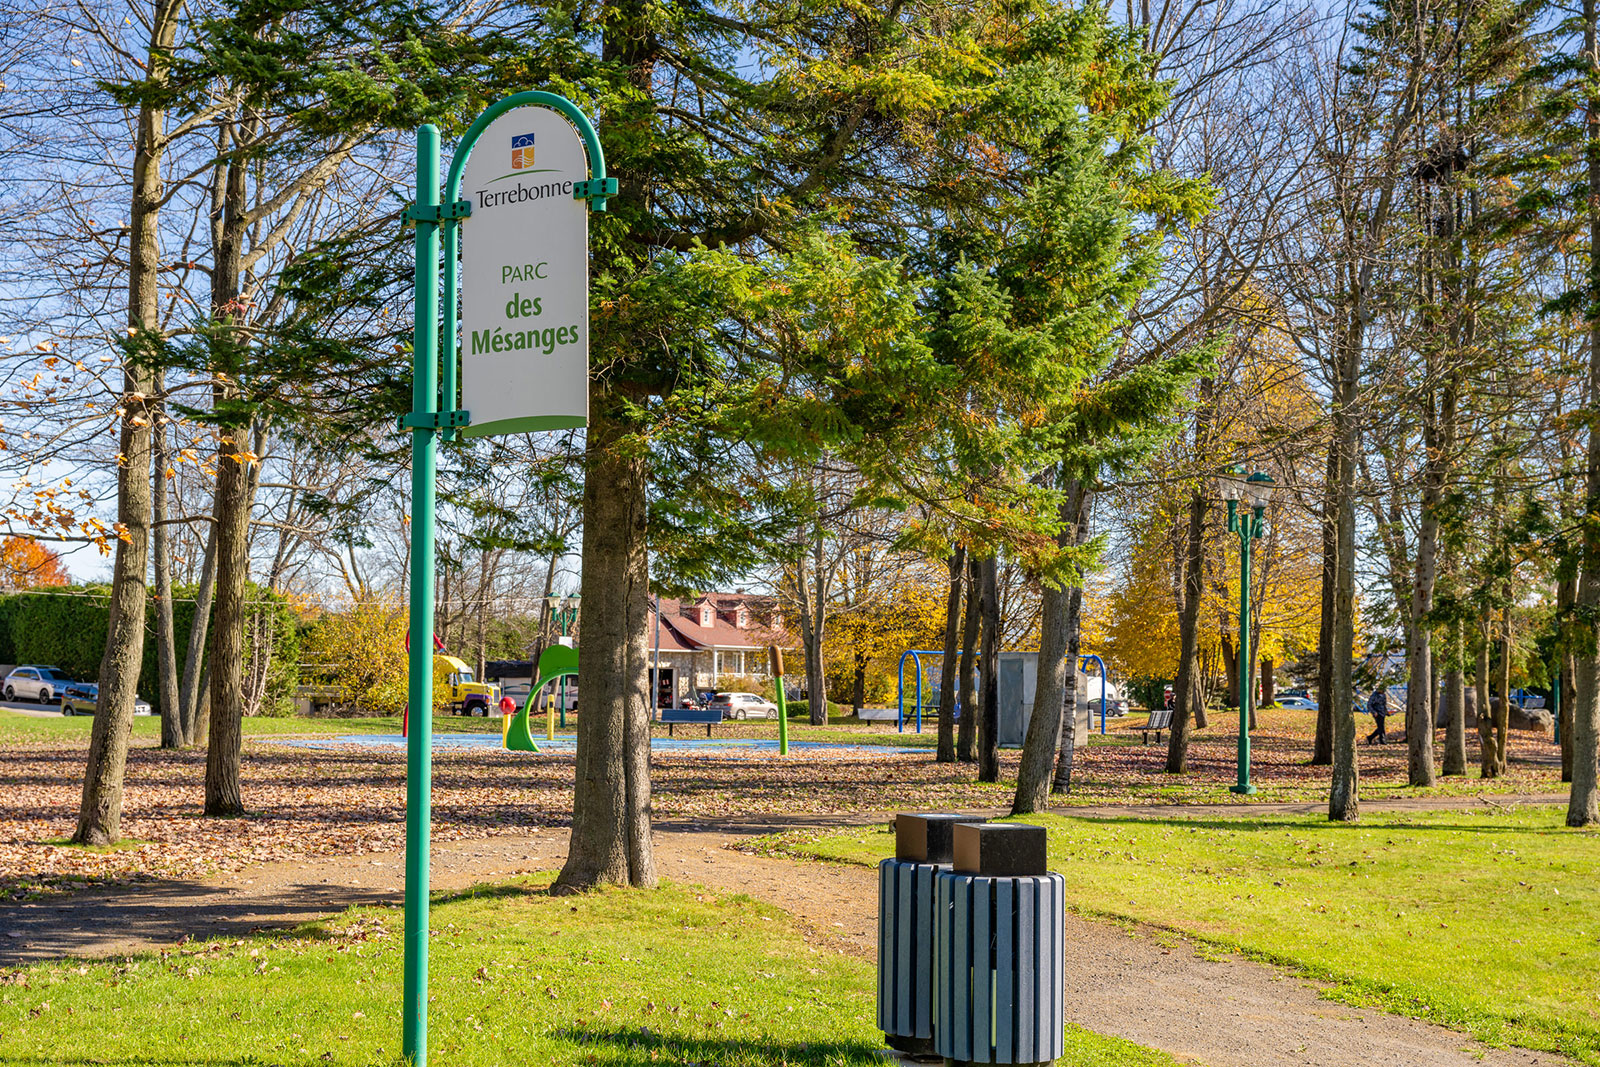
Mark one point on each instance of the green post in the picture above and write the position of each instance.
(1246, 533)
(775, 654)
(419, 752)
(783, 722)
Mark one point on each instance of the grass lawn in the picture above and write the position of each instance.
(675, 976)
(1487, 921)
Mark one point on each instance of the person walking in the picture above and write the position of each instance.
(1378, 708)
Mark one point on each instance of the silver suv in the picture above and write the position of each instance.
(33, 682)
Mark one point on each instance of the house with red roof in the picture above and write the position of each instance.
(713, 641)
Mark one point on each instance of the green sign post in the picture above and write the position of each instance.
(525, 191)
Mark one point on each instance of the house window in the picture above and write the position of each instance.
(705, 615)
(742, 619)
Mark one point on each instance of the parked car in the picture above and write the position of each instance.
(83, 698)
(744, 706)
(1300, 702)
(1116, 707)
(1294, 693)
(33, 682)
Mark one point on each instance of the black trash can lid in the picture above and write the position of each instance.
(924, 837)
(999, 849)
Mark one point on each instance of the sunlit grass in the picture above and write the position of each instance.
(674, 976)
(1487, 921)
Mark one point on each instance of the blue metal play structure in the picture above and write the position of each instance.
(916, 654)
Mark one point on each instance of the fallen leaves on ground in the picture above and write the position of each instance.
(322, 802)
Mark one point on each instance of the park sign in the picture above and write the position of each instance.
(525, 276)
(536, 174)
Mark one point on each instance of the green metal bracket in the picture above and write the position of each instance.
(595, 190)
(435, 420)
(437, 213)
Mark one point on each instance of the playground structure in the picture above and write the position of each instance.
(916, 654)
(556, 664)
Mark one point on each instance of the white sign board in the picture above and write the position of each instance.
(525, 277)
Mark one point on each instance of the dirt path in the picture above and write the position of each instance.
(1224, 1012)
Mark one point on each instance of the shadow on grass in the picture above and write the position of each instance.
(644, 1046)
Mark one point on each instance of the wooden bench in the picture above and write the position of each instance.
(1160, 719)
(673, 716)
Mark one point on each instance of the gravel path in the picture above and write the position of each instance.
(1149, 988)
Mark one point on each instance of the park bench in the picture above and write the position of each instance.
(673, 716)
(1160, 719)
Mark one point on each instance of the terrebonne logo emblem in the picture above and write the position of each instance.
(521, 151)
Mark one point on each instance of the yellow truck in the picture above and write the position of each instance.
(464, 694)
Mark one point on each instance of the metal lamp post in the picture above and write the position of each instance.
(563, 612)
(1253, 492)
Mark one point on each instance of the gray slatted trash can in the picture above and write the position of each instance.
(906, 926)
(999, 951)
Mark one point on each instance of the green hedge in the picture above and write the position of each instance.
(66, 628)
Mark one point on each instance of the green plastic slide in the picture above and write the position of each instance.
(555, 662)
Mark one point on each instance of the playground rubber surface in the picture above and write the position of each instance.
(567, 744)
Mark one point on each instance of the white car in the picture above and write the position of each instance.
(1302, 703)
(744, 706)
(33, 682)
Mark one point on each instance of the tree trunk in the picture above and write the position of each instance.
(1067, 755)
(1230, 668)
(1043, 739)
(1488, 761)
(610, 841)
(1566, 597)
(1322, 744)
(858, 685)
(194, 655)
(483, 613)
(989, 696)
(1344, 794)
(1502, 717)
(1565, 681)
(1455, 710)
(948, 662)
(1186, 692)
(172, 735)
(100, 811)
(967, 730)
(1583, 803)
(1269, 686)
(226, 651)
(1419, 655)
(816, 677)
(231, 519)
